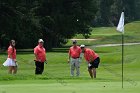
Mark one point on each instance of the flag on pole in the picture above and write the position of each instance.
(120, 26)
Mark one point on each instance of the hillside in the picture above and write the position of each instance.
(109, 35)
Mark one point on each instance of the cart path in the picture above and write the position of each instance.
(107, 45)
(110, 45)
(84, 39)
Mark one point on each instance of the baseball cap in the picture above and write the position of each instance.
(40, 40)
(82, 46)
(74, 41)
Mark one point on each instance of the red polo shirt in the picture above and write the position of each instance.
(41, 53)
(11, 52)
(75, 51)
(90, 55)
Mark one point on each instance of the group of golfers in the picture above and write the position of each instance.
(75, 54)
(74, 59)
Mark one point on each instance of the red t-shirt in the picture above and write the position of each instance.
(75, 51)
(11, 52)
(41, 53)
(90, 55)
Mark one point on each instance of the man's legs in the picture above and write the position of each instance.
(95, 65)
(77, 65)
(72, 67)
(94, 72)
(38, 68)
(90, 72)
(42, 67)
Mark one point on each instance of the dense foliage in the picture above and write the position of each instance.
(58, 20)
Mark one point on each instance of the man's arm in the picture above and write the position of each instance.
(69, 56)
(36, 56)
(35, 53)
(45, 56)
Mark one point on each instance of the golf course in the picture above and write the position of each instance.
(56, 77)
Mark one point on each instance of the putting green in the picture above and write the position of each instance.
(67, 86)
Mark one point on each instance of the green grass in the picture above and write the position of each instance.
(71, 87)
(109, 35)
(56, 77)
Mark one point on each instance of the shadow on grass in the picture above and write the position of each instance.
(45, 77)
(60, 50)
(102, 51)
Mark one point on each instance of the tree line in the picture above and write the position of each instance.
(56, 21)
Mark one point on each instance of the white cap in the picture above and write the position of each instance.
(74, 41)
(82, 46)
(40, 40)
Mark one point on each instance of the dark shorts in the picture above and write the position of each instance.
(95, 63)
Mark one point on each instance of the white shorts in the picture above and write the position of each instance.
(9, 62)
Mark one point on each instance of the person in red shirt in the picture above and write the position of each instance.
(11, 60)
(40, 55)
(92, 59)
(74, 58)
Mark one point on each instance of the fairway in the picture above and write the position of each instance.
(56, 77)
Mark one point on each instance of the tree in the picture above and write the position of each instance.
(110, 10)
(62, 19)
(58, 20)
(137, 8)
(17, 23)
(9, 20)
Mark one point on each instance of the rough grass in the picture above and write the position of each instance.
(57, 66)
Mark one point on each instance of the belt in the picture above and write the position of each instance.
(75, 57)
(38, 61)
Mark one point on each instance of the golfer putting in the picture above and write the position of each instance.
(92, 59)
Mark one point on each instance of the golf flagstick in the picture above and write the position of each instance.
(120, 28)
(122, 58)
